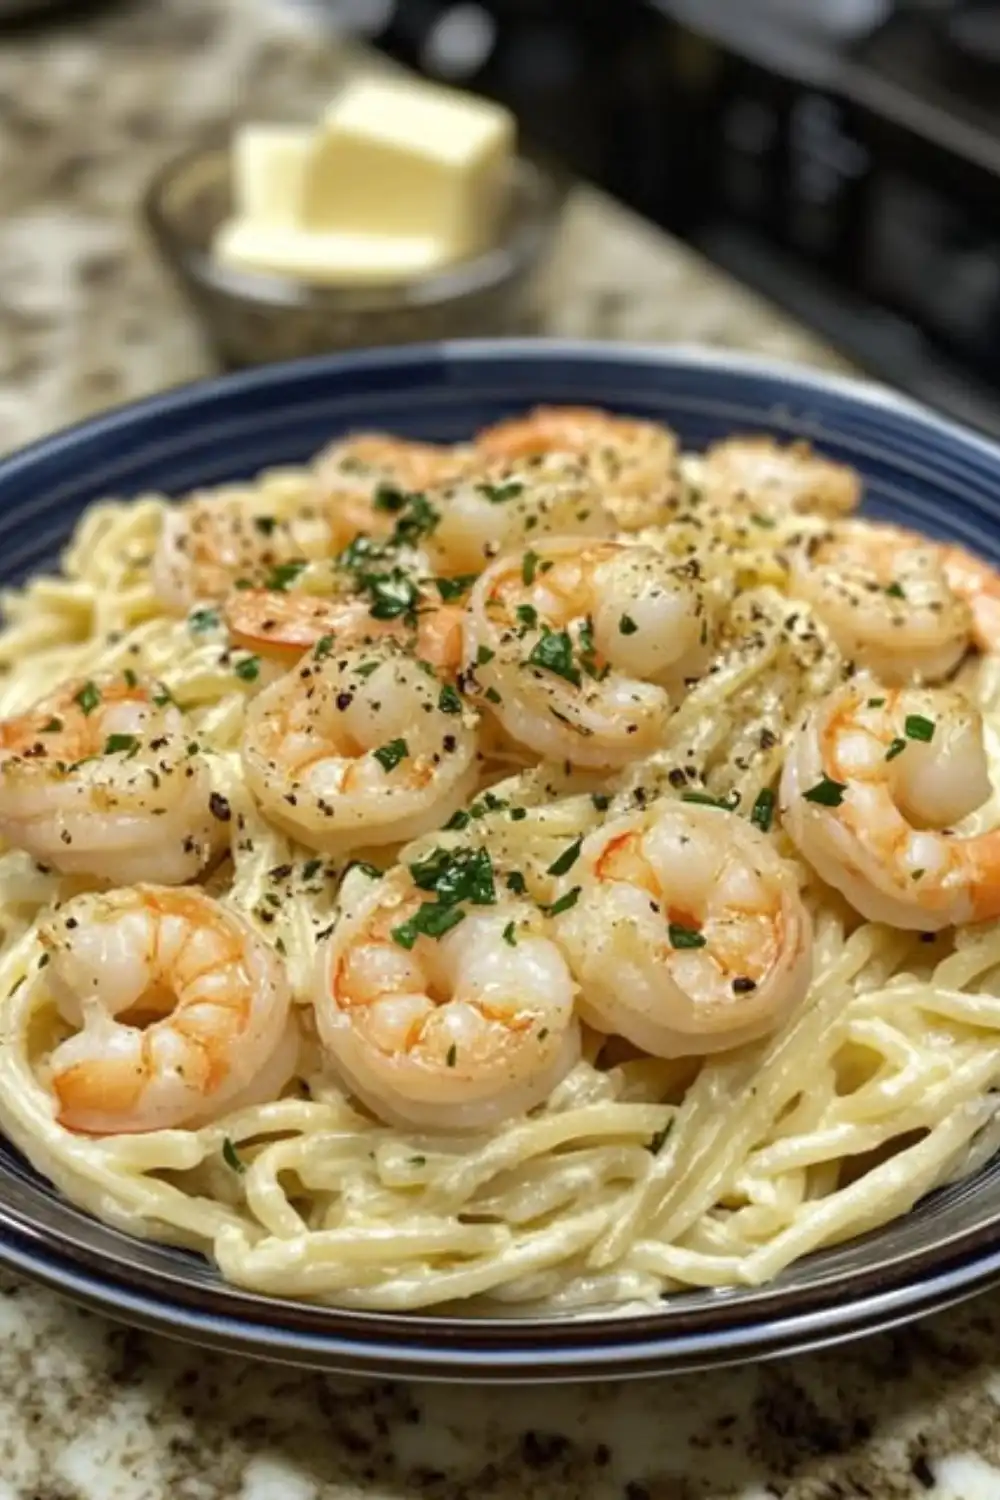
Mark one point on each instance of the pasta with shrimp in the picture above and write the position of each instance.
(548, 873)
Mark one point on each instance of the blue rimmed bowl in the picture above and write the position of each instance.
(919, 471)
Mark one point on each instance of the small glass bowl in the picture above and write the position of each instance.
(251, 318)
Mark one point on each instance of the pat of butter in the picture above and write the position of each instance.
(325, 257)
(269, 168)
(398, 157)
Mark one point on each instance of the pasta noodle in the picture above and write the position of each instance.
(638, 1176)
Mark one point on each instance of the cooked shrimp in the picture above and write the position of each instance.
(777, 479)
(360, 747)
(977, 582)
(179, 1005)
(452, 1032)
(689, 935)
(634, 464)
(352, 472)
(886, 599)
(873, 784)
(286, 625)
(506, 504)
(103, 778)
(216, 538)
(574, 646)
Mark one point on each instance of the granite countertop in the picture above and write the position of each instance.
(88, 1409)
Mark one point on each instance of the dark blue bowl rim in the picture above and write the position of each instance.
(770, 1320)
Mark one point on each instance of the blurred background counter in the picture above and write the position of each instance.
(90, 105)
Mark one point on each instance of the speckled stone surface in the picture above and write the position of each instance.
(89, 1411)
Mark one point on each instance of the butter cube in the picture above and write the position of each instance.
(398, 157)
(269, 165)
(325, 257)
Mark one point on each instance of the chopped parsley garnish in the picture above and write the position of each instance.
(117, 743)
(896, 747)
(658, 1139)
(554, 652)
(484, 655)
(895, 591)
(457, 875)
(518, 814)
(390, 755)
(827, 793)
(527, 614)
(764, 522)
(284, 574)
(392, 594)
(510, 934)
(88, 697)
(563, 904)
(454, 588)
(627, 626)
(601, 801)
(265, 524)
(163, 696)
(449, 701)
(323, 647)
(497, 494)
(566, 860)
(876, 702)
(529, 567)
(919, 728)
(203, 619)
(451, 1057)
(458, 820)
(231, 1157)
(516, 883)
(52, 727)
(311, 869)
(763, 810)
(387, 497)
(248, 670)
(418, 519)
(432, 919)
(131, 680)
(685, 937)
(366, 669)
(372, 871)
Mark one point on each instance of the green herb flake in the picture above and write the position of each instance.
(458, 820)
(762, 812)
(896, 748)
(388, 497)
(393, 595)
(492, 696)
(432, 919)
(566, 860)
(283, 575)
(457, 875)
(764, 522)
(658, 1139)
(919, 728)
(527, 614)
(449, 701)
(201, 620)
(390, 755)
(311, 869)
(510, 934)
(627, 626)
(52, 727)
(323, 647)
(516, 883)
(451, 1056)
(231, 1156)
(895, 591)
(131, 680)
(265, 524)
(484, 655)
(685, 937)
(565, 903)
(876, 702)
(248, 670)
(529, 567)
(88, 697)
(601, 801)
(518, 814)
(499, 494)
(704, 800)
(454, 588)
(827, 793)
(116, 744)
(554, 653)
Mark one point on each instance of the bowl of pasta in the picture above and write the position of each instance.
(496, 861)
